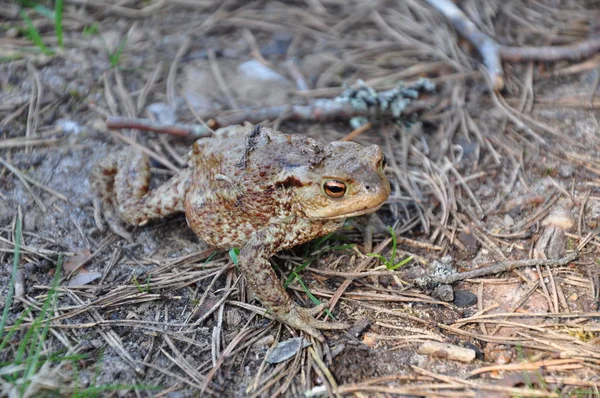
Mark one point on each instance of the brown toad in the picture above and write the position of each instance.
(261, 191)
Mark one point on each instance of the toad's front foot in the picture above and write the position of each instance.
(302, 319)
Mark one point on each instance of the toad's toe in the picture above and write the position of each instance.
(302, 319)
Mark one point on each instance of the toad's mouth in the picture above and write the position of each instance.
(352, 214)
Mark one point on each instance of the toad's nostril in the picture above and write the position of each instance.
(368, 187)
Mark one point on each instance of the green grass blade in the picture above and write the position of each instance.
(234, 255)
(295, 272)
(401, 263)
(115, 57)
(13, 275)
(312, 297)
(393, 254)
(58, 25)
(34, 35)
(15, 328)
(45, 317)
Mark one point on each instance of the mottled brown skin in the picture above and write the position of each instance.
(261, 191)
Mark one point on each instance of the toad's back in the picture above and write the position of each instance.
(242, 183)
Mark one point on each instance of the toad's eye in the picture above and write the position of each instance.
(334, 188)
(383, 161)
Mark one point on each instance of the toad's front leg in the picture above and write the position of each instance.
(254, 263)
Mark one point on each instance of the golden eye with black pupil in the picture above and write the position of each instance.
(334, 188)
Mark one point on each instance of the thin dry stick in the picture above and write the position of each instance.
(109, 96)
(111, 337)
(180, 130)
(487, 387)
(182, 363)
(171, 89)
(121, 11)
(23, 179)
(141, 101)
(361, 267)
(124, 95)
(20, 142)
(492, 53)
(105, 242)
(214, 66)
(545, 364)
(502, 266)
(147, 151)
(263, 364)
(241, 336)
(317, 111)
(37, 91)
(324, 369)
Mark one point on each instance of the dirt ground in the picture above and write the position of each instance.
(480, 178)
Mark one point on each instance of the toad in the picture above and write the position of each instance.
(261, 191)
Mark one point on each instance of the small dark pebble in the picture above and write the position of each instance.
(469, 241)
(359, 327)
(478, 351)
(385, 280)
(464, 298)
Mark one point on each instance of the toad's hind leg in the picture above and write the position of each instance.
(122, 180)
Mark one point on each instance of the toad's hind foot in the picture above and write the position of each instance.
(121, 182)
(302, 319)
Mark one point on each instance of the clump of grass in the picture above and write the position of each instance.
(20, 372)
(28, 359)
(32, 32)
(115, 57)
(389, 264)
(91, 30)
(13, 275)
(140, 287)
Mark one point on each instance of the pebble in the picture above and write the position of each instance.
(444, 293)
(566, 170)
(464, 298)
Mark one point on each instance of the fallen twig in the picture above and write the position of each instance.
(493, 53)
(181, 130)
(319, 111)
(447, 351)
(497, 268)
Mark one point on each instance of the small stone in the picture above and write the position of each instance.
(560, 217)
(508, 221)
(29, 221)
(444, 293)
(12, 32)
(163, 112)
(464, 298)
(369, 339)
(566, 170)
(68, 126)
(573, 297)
(287, 349)
(385, 280)
(255, 70)
(469, 241)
